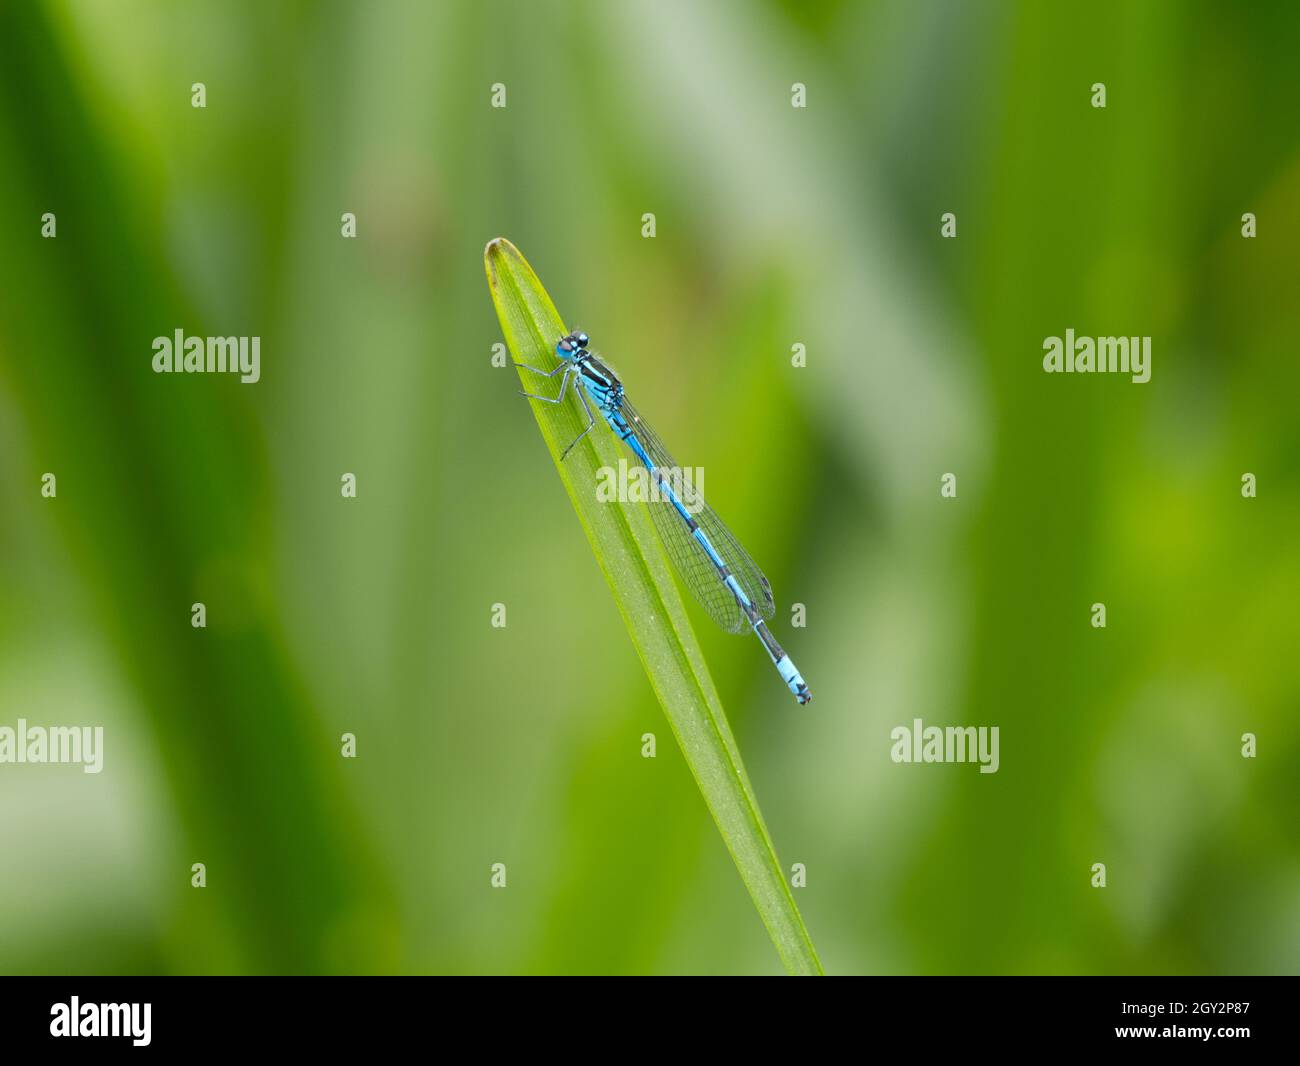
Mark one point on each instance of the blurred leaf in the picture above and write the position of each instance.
(633, 562)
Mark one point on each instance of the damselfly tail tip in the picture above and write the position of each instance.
(803, 695)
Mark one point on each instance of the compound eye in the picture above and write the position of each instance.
(565, 347)
(582, 339)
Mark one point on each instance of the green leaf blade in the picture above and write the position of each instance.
(632, 559)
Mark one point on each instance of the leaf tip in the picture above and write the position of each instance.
(498, 248)
(499, 257)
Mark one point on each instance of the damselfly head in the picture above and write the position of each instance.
(571, 344)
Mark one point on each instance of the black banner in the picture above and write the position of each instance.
(337, 1015)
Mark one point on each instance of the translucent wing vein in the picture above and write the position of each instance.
(690, 559)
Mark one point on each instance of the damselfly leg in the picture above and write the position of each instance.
(568, 371)
(591, 421)
(564, 384)
(546, 373)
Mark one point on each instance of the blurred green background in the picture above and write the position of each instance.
(776, 226)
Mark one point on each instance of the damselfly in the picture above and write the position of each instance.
(710, 561)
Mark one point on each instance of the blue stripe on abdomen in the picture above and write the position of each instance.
(624, 431)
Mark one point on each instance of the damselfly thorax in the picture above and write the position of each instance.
(600, 381)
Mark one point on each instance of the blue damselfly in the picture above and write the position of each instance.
(709, 560)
